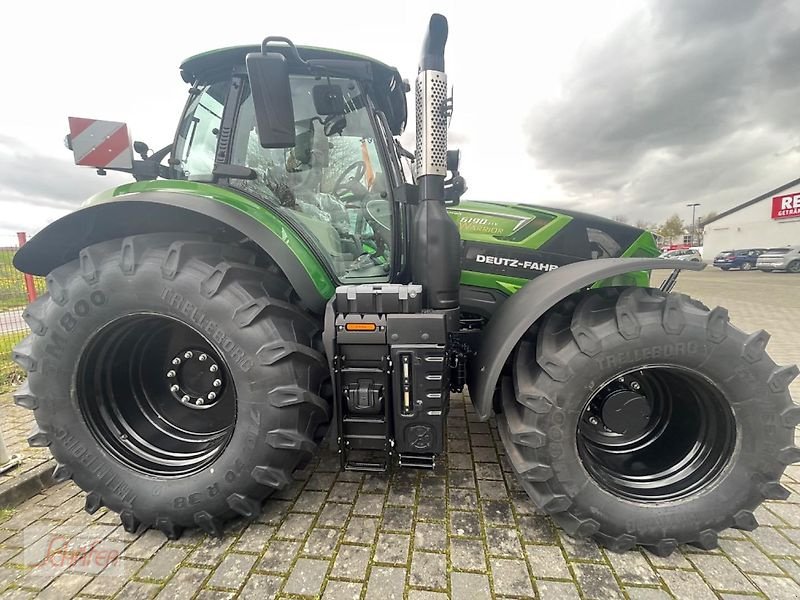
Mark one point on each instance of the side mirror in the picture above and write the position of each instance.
(272, 99)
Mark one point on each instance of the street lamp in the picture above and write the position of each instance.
(694, 206)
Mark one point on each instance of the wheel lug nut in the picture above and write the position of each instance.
(174, 388)
(217, 382)
(199, 402)
(211, 395)
(593, 420)
(213, 368)
(635, 386)
(176, 361)
(202, 358)
(187, 355)
(185, 399)
(170, 373)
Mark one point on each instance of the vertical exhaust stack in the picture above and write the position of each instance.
(436, 248)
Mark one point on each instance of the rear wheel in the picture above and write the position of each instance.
(794, 267)
(174, 381)
(747, 266)
(644, 418)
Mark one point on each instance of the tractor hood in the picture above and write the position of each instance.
(505, 245)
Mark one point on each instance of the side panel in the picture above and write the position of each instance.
(525, 307)
(153, 206)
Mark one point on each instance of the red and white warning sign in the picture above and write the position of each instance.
(101, 144)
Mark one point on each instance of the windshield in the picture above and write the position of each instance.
(331, 183)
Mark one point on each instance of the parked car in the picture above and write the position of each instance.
(684, 254)
(785, 258)
(738, 259)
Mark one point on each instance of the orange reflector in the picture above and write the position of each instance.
(360, 327)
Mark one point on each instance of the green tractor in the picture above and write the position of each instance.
(286, 269)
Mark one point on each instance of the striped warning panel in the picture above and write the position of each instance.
(102, 144)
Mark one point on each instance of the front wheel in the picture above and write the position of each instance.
(639, 417)
(794, 267)
(174, 381)
(747, 266)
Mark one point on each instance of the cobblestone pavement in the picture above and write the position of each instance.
(464, 530)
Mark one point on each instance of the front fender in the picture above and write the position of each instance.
(535, 298)
(230, 217)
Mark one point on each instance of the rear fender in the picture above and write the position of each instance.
(157, 211)
(525, 307)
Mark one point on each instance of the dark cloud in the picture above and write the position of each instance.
(687, 99)
(44, 181)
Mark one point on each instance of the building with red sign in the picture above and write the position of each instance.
(767, 221)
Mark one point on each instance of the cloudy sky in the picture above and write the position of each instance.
(629, 107)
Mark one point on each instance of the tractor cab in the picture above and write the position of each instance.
(335, 178)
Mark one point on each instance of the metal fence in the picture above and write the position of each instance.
(16, 291)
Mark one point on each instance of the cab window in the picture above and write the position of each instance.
(196, 144)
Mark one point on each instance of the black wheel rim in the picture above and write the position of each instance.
(156, 395)
(655, 434)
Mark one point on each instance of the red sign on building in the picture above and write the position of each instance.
(786, 207)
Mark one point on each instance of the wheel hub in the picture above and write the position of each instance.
(626, 412)
(194, 379)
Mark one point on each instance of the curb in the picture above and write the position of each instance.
(26, 486)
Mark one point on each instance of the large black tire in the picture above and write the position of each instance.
(583, 347)
(135, 300)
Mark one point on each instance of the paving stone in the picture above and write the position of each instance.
(684, 584)
(511, 577)
(484, 455)
(392, 548)
(538, 529)
(430, 536)
(309, 501)
(334, 515)
(461, 479)
(147, 545)
(321, 481)
(428, 595)
(465, 524)
(351, 562)
(470, 585)
(431, 509)
(773, 543)
(720, 573)
(65, 586)
(467, 555)
(307, 577)
(361, 530)
(369, 504)
(428, 570)
(184, 584)
(214, 595)
(456, 460)
(139, 590)
(261, 587)
(492, 490)
(163, 563)
(503, 542)
(433, 487)
(401, 496)
(462, 499)
(279, 556)
(596, 581)
(645, 593)
(632, 567)
(295, 526)
(322, 542)
(676, 560)
(557, 590)
(386, 583)
(210, 552)
(273, 512)
(547, 561)
(232, 571)
(748, 557)
(397, 519)
(343, 491)
(580, 549)
(497, 512)
(790, 567)
(255, 538)
(342, 590)
(777, 588)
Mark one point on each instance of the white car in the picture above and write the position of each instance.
(683, 254)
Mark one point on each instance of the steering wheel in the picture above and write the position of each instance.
(342, 182)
